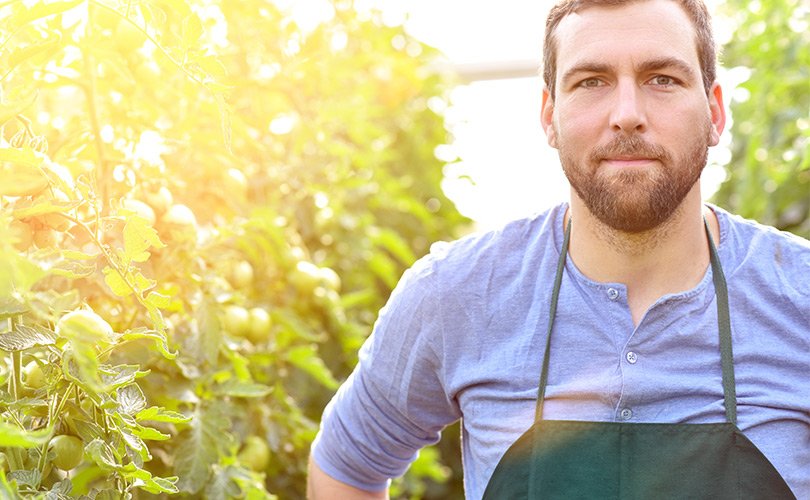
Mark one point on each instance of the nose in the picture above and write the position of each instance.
(628, 114)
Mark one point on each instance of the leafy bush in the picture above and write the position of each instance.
(769, 174)
(202, 208)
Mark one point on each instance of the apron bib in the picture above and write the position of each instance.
(566, 459)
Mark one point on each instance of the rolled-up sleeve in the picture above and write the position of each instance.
(394, 403)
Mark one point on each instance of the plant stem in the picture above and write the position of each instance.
(103, 177)
(15, 383)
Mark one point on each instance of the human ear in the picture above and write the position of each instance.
(718, 113)
(547, 117)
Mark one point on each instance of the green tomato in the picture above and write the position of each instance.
(330, 278)
(242, 274)
(260, 324)
(67, 451)
(33, 376)
(237, 320)
(140, 209)
(181, 216)
(305, 277)
(255, 454)
(160, 200)
(84, 325)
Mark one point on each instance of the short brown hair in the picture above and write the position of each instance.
(695, 9)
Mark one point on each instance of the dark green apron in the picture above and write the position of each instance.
(562, 459)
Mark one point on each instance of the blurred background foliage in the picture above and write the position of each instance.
(769, 173)
(290, 178)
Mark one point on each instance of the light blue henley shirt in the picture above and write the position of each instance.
(462, 336)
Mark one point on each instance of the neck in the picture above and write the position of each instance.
(670, 258)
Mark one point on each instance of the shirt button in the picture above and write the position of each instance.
(612, 293)
(626, 414)
(631, 357)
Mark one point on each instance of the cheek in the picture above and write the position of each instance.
(577, 133)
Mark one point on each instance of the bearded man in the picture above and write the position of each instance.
(634, 342)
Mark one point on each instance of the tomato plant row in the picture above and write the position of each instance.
(202, 208)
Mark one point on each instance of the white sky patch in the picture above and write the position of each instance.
(150, 147)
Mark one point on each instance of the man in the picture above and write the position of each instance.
(656, 380)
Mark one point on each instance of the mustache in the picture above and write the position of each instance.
(629, 145)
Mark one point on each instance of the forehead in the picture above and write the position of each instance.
(636, 30)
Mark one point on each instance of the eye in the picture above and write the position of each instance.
(663, 80)
(590, 83)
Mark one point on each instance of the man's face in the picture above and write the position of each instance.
(631, 118)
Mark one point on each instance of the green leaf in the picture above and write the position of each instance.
(209, 334)
(25, 337)
(44, 206)
(306, 358)
(18, 274)
(114, 377)
(222, 486)
(49, 46)
(393, 242)
(130, 399)
(243, 389)
(22, 156)
(212, 66)
(72, 269)
(192, 30)
(80, 364)
(198, 448)
(102, 454)
(138, 238)
(116, 283)
(158, 414)
(11, 108)
(159, 300)
(59, 490)
(142, 283)
(12, 436)
(158, 338)
(30, 478)
(137, 450)
(384, 268)
(41, 9)
(11, 306)
(7, 492)
(156, 485)
(148, 433)
(86, 430)
(236, 482)
(21, 172)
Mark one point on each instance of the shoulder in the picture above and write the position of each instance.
(763, 261)
(744, 239)
(500, 250)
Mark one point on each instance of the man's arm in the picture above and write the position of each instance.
(321, 486)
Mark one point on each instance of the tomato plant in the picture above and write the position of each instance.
(202, 208)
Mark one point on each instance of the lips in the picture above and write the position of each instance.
(629, 161)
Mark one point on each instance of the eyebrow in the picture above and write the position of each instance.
(667, 62)
(646, 66)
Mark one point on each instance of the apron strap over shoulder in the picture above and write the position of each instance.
(555, 294)
(724, 328)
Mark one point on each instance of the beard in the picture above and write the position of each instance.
(636, 200)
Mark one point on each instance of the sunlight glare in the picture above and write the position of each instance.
(150, 147)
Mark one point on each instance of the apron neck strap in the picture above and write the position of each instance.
(723, 326)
